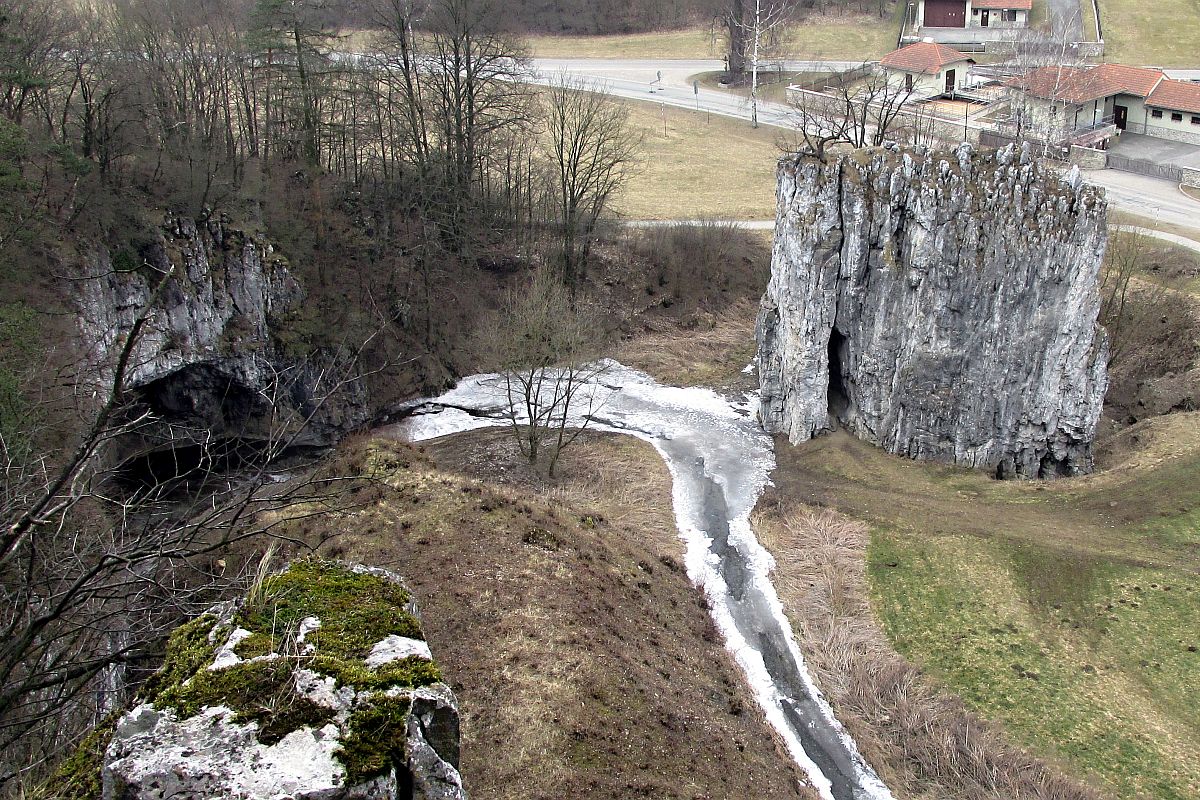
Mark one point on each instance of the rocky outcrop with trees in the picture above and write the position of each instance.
(159, 356)
(941, 305)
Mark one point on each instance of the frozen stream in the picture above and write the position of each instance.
(720, 460)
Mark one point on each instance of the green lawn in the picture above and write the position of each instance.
(1069, 612)
(1162, 33)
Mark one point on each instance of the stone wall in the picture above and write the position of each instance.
(942, 305)
(1088, 157)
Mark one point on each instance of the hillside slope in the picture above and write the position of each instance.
(584, 660)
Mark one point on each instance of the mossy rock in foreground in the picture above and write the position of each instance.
(317, 684)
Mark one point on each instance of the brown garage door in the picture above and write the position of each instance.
(946, 13)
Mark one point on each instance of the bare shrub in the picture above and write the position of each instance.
(1151, 326)
(705, 264)
(545, 341)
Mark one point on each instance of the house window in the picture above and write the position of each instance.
(1008, 16)
(1054, 110)
(1176, 117)
(1156, 114)
(1195, 120)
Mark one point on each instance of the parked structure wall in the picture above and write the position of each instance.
(997, 19)
(1088, 157)
(962, 14)
(924, 85)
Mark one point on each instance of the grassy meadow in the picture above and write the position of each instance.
(697, 165)
(1162, 33)
(835, 37)
(1067, 611)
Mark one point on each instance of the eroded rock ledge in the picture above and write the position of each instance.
(941, 305)
(319, 686)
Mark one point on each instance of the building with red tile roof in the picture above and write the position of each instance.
(973, 13)
(927, 68)
(1062, 99)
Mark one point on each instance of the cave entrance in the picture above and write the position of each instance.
(839, 396)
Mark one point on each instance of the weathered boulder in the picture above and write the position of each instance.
(941, 305)
(318, 687)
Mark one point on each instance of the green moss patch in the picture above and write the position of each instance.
(188, 650)
(258, 691)
(356, 610)
(406, 672)
(78, 778)
(376, 738)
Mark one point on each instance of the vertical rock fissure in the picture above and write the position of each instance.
(838, 393)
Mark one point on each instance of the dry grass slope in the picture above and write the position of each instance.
(584, 660)
(833, 37)
(697, 165)
(924, 742)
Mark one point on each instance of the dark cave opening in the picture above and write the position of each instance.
(185, 466)
(201, 427)
(839, 396)
(1052, 467)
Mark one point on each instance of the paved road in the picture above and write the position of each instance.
(639, 80)
(1156, 150)
(1148, 197)
(1158, 199)
(1182, 241)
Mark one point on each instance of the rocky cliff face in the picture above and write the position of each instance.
(941, 305)
(207, 362)
(318, 687)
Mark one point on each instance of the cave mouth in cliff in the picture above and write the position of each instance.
(183, 467)
(839, 397)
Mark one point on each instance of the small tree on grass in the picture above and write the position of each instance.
(545, 341)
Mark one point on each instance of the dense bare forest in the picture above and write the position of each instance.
(405, 183)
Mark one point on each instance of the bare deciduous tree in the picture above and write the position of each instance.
(858, 113)
(592, 150)
(546, 341)
(760, 22)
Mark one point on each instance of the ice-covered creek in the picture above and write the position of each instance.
(720, 460)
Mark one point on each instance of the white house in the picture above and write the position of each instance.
(1078, 103)
(926, 69)
(973, 13)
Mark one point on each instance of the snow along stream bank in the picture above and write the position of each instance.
(720, 460)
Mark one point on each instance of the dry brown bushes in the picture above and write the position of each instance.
(925, 743)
